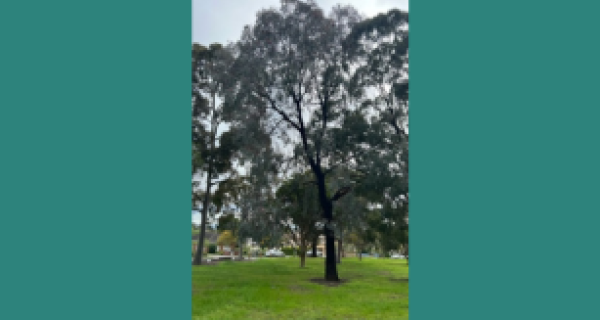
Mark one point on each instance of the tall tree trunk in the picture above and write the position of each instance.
(330, 265)
(240, 248)
(327, 207)
(198, 256)
(324, 200)
(213, 132)
(314, 246)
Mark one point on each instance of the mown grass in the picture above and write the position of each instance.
(278, 289)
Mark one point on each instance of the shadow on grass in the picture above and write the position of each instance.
(328, 283)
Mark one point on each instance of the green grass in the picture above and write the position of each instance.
(278, 289)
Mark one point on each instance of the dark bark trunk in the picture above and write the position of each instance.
(330, 265)
(314, 246)
(327, 207)
(324, 200)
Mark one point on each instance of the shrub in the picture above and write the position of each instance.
(212, 248)
(288, 251)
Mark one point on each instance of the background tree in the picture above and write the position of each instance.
(213, 146)
(379, 48)
(299, 200)
(226, 238)
(352, 212)
(228, 221)
(255, 195)
(364, 234)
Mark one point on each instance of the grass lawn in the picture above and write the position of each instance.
(277, 288)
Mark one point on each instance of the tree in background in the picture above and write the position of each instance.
(350, 213)
(379, 47)
(254, 196)
(299, 200)
(228, 221)
(213, 145)
(226, 238)
(363, 235)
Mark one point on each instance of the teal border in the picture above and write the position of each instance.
(505, 160)
(95, 129)
(95, 160)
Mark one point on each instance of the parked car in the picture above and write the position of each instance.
(397, 256)
(274, 253)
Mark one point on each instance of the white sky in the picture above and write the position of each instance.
(223, 20)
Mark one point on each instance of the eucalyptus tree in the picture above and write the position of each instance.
(295, 74)
(379, 49)
(213, 144)
(259, 214)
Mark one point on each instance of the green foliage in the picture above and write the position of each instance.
(228, 222)
(289, 251)
(226, 238)
(300, 205)
(213, 149)
(212, 248)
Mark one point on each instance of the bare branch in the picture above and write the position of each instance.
(283, 114)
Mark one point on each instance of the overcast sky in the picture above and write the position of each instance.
(223, 20)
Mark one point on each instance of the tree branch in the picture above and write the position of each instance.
(224, 180)
(302, 131)
(341, 192)
(283, 114)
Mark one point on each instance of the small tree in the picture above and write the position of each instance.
(298, 197)
(226, 238)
